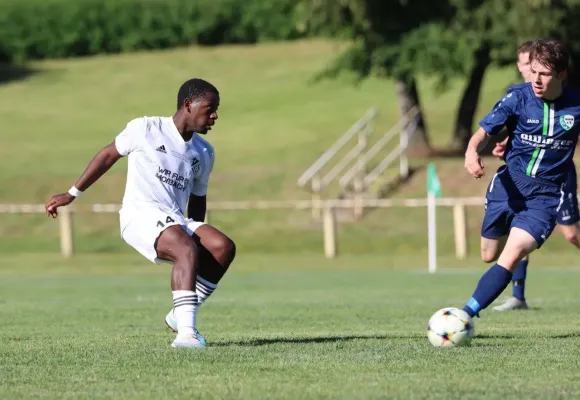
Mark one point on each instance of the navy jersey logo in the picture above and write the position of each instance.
(567, 121)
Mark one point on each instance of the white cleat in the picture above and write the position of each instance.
(171, 322)
(512, 304)
(187, 341)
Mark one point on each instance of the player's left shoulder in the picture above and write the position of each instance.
(202, 145)
(568, 112)
(571, 97)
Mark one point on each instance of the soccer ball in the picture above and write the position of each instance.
(450, 327)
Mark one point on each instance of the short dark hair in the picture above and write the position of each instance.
(551, 54)
(525, 47)
(194, 89)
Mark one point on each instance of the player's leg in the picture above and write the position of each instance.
(216, 253)
(176, 245)
(518, 299)
(530, 228)
(496, 220)
(494, 237)
(159, 236)
(568, 218)
(491, 248)
(494, 281)
(571, 233)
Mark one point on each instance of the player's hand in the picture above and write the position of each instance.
(499, 150)
(57, 201)
(474, 164)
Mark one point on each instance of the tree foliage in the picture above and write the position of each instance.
(445, 39)
(376, 30)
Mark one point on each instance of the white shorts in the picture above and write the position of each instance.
(140, 228)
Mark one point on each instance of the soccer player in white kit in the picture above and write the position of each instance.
(169, 164)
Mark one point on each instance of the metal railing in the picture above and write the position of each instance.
(404, 129)
(355, 162)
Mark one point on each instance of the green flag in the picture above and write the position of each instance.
(433, 185)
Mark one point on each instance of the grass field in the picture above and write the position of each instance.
(279, 327)
(274, 122)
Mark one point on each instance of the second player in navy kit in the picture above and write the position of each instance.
(525, 195)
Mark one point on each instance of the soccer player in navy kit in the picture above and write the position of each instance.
(568, 216)
(525, 195)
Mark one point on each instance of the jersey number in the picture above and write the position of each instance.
(168, 220)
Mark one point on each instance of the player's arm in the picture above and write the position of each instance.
(100, 164)
(473, 162)
(491, 124)
(126, 142)
(499, 149)
(196, 207)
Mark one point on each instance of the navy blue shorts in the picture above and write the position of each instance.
(513, 200)
(569, 214)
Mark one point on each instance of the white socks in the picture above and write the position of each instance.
(185, 303)
(204, 289)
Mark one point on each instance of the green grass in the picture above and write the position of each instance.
(279, 327)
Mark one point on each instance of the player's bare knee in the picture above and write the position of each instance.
(570, 236)
(224, 249)
(489, 255)
(571, 233)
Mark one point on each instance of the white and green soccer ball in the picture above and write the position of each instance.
(450, 327)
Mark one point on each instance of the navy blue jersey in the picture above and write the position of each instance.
(542, 134)
(571, 181)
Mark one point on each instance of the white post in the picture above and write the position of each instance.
(329, 229)
(316, 196)
(403, 145)
(432, 232)
(460, 229)
(66, 232)
(358, 207)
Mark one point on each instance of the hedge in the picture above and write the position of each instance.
(35, 29)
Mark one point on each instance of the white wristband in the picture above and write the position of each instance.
(73, 191)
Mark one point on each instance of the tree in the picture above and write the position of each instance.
(476, 35)
(376, 29)
(447, 39)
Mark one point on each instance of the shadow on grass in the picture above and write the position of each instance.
(481, 340)
(566, 336)
(487, 336)
(14, 72)
(307, 340)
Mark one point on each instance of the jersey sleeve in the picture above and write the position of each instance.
(504, 109)
(128, 140)
(200, 184)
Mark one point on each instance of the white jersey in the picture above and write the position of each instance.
(163, 169)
